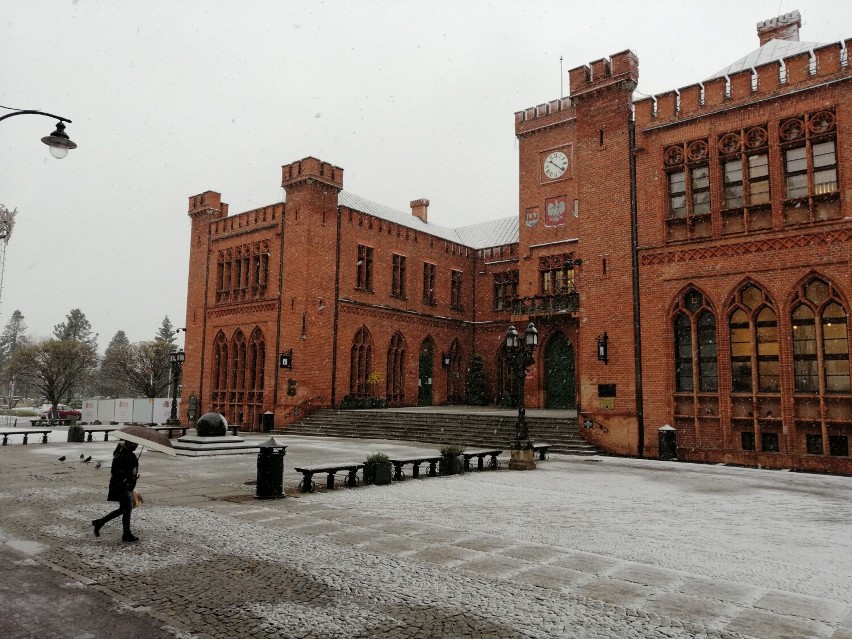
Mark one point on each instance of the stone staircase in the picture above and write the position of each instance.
(470, 430)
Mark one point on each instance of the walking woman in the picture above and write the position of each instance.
(125, 470)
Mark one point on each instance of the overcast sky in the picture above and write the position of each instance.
(413, 99)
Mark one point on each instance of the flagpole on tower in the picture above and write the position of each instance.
(561, 94)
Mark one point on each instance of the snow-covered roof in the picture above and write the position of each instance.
(769, 52)
(475, 236)
(491, 233)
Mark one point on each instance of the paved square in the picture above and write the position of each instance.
(616, 548)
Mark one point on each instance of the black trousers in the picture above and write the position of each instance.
(125, 509)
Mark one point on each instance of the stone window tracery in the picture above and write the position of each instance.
(242, 272)
(238, 377)
(809, 150)
(688, 178)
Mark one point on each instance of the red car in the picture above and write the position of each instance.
(64, 410)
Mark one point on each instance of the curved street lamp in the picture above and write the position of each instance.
(58, 141)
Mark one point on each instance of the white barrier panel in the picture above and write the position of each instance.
(143, 410)
(90, 410)
(106, 411)
(163, 409)
(124, 410)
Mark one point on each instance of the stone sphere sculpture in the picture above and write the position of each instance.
(211, 425)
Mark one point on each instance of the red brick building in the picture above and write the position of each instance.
(685, 258)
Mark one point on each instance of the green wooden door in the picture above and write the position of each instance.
(559, 373)
(424, 380)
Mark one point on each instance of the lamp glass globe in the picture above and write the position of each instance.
(58, 152)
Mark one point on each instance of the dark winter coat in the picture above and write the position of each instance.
(125, 468)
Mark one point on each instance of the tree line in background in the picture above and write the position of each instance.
(67, 366)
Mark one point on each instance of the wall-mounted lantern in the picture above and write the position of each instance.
(603, 348)
(445, 360)
(286, 359)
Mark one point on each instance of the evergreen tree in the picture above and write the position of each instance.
(13, 336)
(476, 387)
(111, 381)
(118, 340)
(167, 332)
(76, 328)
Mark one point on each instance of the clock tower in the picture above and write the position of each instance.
(575, 243)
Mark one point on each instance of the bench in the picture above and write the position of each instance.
(480, 455)
(542, 451)
(170, 429)
(50, 422)
(26, 432)
(307, 484)
(234, 428)
(106, 430)
(415, 462)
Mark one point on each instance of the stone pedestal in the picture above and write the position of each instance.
(523, 459)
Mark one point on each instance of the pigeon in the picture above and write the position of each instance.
(87, 460)
(62, 458)
(98, 465)
(81, 455)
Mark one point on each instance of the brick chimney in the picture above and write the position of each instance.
(418, 208)
(785, 27)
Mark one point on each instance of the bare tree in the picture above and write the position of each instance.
(54, 367)
(143, 367)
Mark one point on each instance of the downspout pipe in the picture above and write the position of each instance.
(280, 304)
(336, 310)
(637, 322)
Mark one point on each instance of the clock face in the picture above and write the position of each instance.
(555, 165)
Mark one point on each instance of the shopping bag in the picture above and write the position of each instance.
(137, 499)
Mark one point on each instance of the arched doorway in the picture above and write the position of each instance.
(424, 378)
(455, 381)
(507, 382)
(559, 384)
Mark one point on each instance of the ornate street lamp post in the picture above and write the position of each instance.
(519, 352)
(58, 141)
(176, 359)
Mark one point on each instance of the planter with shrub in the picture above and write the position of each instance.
(76, 433)
(377, 469)
(452, 461)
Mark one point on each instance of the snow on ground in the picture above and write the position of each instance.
(373, 561)
(786, 530)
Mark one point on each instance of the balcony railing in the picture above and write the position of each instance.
(539, 305)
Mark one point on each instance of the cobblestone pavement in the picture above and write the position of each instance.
(581, 547)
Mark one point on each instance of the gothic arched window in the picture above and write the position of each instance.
(395, 378)
(360, 362)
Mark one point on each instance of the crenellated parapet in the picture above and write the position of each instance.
(249, 220)
(828, 63)
(208, 203)
(544, 115)
(621, 70)
(310, 170)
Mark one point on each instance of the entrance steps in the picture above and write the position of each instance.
(486, 430)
